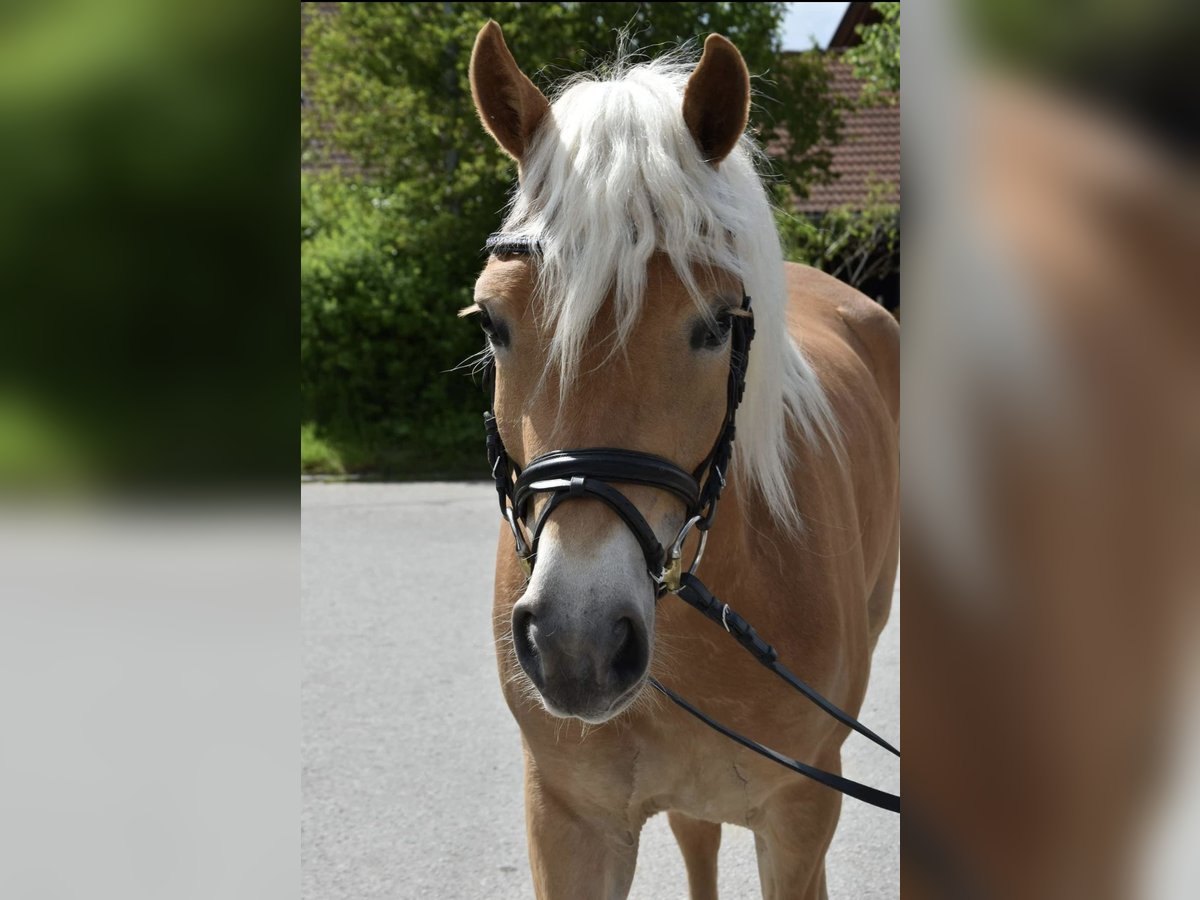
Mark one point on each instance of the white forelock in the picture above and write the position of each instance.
(614, 176)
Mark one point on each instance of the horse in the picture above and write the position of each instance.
(640, 191)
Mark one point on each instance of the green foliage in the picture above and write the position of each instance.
(877, 59)
(387, 82)
(857, 246)
(390, 250)
(318, 455)
(801, 117)
(36, 449)
(378, 333)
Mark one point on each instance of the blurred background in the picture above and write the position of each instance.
(400, 186)
(146, 324)
(149, 563)
(1051, 450)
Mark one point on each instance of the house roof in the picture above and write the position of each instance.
(847, 31)
(869, 151)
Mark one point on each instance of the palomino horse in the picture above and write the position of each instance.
(650, 222)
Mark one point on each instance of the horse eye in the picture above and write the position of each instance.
(716, 334)
(497, 332)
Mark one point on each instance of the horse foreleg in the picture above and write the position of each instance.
(879, 602)
(792, 837)
(573, 855)
(699, 842)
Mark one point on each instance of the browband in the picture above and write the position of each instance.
(501, 244)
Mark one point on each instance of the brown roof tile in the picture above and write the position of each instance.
(869, 151)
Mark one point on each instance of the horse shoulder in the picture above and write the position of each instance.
(853, 345)
(830, 317)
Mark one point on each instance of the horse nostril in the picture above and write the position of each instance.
(631, 656)
(525, 645)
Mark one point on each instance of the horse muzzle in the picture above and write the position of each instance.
(587, 660)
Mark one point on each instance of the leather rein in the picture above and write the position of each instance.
(589, 472)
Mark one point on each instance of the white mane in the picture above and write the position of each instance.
(613, 176)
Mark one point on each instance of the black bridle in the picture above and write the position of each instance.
(589, 472)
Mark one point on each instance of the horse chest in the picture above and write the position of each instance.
(705, 781)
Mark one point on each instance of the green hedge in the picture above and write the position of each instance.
(379, 336)
(857, 246)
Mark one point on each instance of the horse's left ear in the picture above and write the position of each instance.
(716, 104)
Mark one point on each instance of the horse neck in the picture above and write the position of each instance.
(743, 533)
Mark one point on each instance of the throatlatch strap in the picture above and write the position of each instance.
(858, 791)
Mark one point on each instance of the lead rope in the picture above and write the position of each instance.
(696, 595)
(855, 789)
(693, 592)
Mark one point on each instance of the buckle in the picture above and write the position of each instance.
(672, 573)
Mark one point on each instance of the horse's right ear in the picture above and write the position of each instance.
(509, 104)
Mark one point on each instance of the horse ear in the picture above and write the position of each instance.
(716, 104)
(509, 104)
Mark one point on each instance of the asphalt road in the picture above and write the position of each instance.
(411, 763)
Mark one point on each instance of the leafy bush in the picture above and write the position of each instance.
(876, 60)
(316, 455)
(858, 246)
(378, 333)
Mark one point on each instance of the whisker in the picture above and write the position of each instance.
(473, 364)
